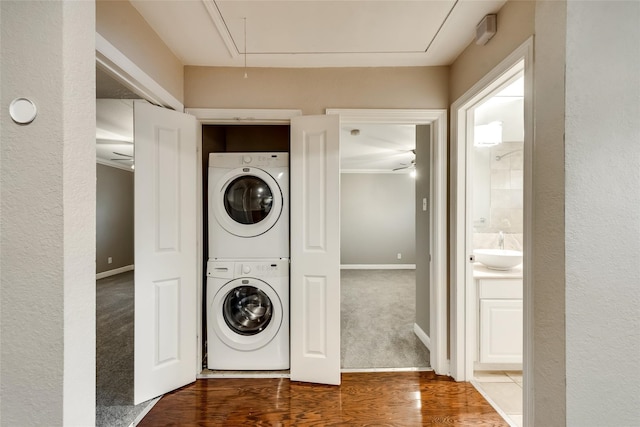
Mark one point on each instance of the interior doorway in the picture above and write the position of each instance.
(378, 246)
(491, 156)
(432, 333)
(115, 253)
(495, 224)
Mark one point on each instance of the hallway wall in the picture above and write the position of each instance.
(47, 235)
(515, 25)
(121, 24)
(602, 200)
(315, 89)
(114, 218)
(377, 218)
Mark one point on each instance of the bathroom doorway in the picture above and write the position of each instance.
(495, 168)
(491, 156)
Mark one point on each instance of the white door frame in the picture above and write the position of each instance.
(437, 119)
(461, 273)
(224, 116)
(116, 64)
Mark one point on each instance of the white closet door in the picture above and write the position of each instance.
(315, 249)
(165, 250)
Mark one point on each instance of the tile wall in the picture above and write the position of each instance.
(506, 211)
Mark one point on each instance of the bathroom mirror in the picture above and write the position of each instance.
(481, 187)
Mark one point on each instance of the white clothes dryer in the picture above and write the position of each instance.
(248, 314)
(248, 205)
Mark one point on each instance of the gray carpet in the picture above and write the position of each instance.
(114, 352)
(378, 313)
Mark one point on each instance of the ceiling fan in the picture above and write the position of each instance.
(410, 165)
(128, 158)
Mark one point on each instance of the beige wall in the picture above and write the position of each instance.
(121, 24)
(314, 89)
(548, 239)
(47, 231)
(517, 21)
(515, 25)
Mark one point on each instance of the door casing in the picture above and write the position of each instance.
(461, 272)
(437, 119)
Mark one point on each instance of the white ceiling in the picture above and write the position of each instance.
(303, 33)
(316, 33)
(377, 147)
(114, 132)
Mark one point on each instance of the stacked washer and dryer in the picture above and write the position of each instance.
(247, 289)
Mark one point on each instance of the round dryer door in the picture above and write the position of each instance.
(248, 314)
(248, 202)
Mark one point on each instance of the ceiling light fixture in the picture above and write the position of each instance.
(487, 135)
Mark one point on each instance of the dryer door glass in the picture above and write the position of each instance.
(247, 310)
(248, 200)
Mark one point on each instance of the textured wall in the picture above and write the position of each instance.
(548, 268)
(48, 206)
(602, 163)
(377, 218)
(114, 218)
(123, 26)
(314, 89)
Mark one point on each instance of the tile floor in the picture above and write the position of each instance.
(503, 389)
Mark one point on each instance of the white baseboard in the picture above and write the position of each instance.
(422, 336)
(114, 272)
(377, 266)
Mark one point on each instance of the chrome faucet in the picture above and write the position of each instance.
(501, 240)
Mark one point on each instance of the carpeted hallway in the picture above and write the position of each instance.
(377, 316)
(114, 352)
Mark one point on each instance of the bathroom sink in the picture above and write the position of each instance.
(498, 259)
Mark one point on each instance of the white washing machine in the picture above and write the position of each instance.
(248, 205)
(248, 314)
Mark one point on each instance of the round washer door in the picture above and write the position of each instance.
(247, 202)
(248, 314)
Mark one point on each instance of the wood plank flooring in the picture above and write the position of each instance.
(363, 399)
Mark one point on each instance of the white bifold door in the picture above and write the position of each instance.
(165, 250)
(315, 249)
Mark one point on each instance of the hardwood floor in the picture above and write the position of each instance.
(363, 399)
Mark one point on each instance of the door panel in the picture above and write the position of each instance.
(165, 250)
(315, 249)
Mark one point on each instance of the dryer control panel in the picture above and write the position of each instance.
(260, 160)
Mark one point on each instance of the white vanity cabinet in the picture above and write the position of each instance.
(500, 321)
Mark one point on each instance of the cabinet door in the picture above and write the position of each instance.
(500, 331)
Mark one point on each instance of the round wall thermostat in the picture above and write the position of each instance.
(22, 110)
